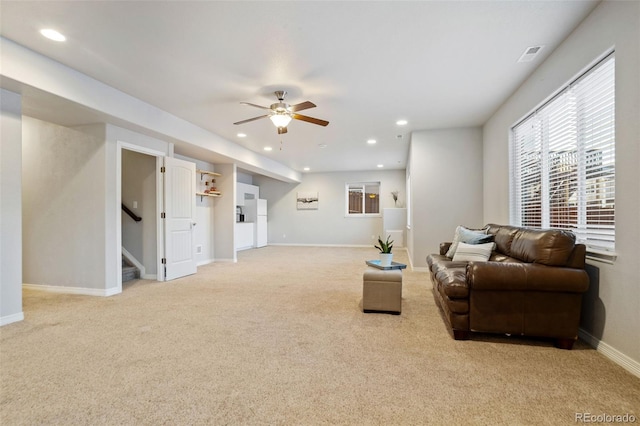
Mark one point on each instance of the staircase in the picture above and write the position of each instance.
(129, 272)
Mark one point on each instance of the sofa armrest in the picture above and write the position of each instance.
(444, 248)
(492, 276)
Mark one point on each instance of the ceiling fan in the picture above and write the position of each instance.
(281, 113)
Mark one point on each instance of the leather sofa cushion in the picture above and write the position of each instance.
(547, 247)
(453, 282)
(503, 237)
(551, 247)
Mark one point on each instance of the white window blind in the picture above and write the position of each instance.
(563, 161)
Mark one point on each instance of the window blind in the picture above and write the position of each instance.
(563, 161)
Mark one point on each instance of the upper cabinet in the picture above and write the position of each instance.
(244, 191)
(206, 186)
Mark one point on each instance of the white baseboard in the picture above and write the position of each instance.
(153, 277)
(8, 319)
(631, 365)
(321, 245)
(205, 262)
(102, 292)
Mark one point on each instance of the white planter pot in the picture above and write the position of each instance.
(385, 259)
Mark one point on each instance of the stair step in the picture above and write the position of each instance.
(130, 273)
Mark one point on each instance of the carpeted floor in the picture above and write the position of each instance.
(280, 338)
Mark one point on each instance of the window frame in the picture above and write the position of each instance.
(552, 162)
(363, 186)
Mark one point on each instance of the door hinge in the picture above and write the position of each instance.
(164, 260)
(163, 215)
(162, 169)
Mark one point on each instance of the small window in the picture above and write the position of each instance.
(363, 199)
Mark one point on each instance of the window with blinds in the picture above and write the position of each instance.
(563, 161)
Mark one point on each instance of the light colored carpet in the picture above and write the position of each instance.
(280, 338)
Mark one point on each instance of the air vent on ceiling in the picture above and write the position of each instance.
(530, 53)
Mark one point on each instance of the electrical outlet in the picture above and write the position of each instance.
(284, 236)
(135, 204)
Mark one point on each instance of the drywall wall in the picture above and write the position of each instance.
(27, 67)
(611, 308)
(10, 208)
(446, 187)
(225, 214)
(139, 195)
(63, 214)
(327, 225)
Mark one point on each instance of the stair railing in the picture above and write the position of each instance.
(131, 214)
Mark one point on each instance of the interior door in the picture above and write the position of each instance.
(179, 221)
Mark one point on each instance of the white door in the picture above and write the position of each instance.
(180, 212)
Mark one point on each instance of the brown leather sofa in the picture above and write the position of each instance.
(532, 285)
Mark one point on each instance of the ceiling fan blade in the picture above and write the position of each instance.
(301, 106)
(282, 130)
(254, 105)
(251, 119)
(310, 119)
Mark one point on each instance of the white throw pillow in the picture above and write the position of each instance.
(473, 252)
(466, 235)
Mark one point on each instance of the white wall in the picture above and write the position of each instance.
(139, 188)
(63, 214)
(225, 214)
(446, 179)
(327, 225)
(39, 72)
(611, 309)
(10, 207)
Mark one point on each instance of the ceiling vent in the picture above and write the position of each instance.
(530, 53)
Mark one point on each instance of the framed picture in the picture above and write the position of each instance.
(307, 200)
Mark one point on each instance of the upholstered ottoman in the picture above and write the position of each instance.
(382, 291)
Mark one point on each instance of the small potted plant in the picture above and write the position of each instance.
(385, 251)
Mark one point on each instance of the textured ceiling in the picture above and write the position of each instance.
(437, 64)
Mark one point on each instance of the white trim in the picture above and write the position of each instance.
(322, 245)
(629, 364)
(8, 319)
(152, 277)
(205, 262)
(120, 145)
(74, 290)
(131, 258)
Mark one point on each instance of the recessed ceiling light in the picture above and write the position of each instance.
(401, 122)
(242, 135)
(380, 166)
(322, 145)
(268, 148)
(52, 34)
(371, 141)
(306, 169)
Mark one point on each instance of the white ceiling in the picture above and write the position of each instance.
(437, 64)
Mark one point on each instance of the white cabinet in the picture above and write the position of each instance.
(244, 235)
(244, 191)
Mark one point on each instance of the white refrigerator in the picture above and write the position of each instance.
(256, 211)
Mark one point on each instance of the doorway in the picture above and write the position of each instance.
(139, 216)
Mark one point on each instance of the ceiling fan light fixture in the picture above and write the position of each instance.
(280, 119)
